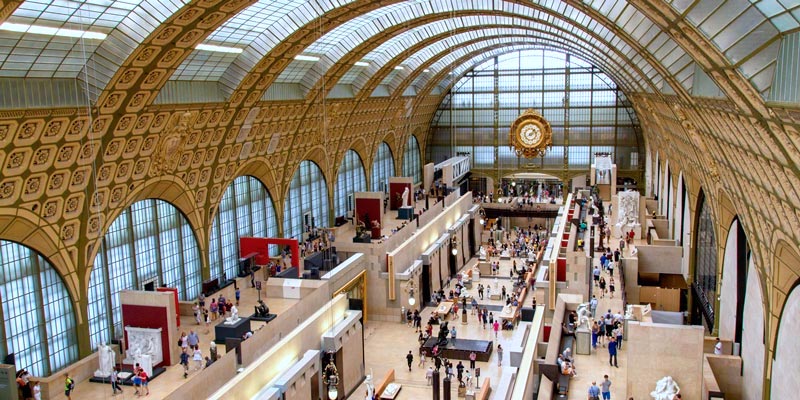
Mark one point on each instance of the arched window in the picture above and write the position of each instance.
(412, 165)
(306, 205)
(150, 242)
(245, 209)
(382, 168)
(705, 272)
(351, 179)
(38, 317)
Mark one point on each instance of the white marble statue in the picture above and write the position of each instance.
(506, 309)
(629, 311)
(144, 347)
(496, 285)
(634, 250)
(584, 315)
(405, 198)
(106, 357)
(370, 386)
(234, 318)
(628, 214)
(482, 253)
(666, 389)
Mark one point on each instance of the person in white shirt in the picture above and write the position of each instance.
(718, 348)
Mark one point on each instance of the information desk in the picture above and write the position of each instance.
(443, 309)
(459, 349)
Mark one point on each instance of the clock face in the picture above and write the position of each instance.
(530, 134)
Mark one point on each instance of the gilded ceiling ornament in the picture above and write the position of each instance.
(171, 144)
(530, 135)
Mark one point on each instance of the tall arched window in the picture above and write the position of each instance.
(412, 165)
(151, 241)
(245, 209)
(382, 168)
(705, 272)
(306, 205)
(38, 317)
(351, 179)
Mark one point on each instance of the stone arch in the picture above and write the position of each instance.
(753, 350)
(786, 349)
(391, 140)
(171, 190)
(28, 229)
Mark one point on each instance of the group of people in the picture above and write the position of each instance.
(29, 389)
(217, 308)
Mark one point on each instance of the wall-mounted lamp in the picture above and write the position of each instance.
(454, 246)
(410, 288)
(330, 377)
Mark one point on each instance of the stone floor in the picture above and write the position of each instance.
(172, 379)
(387, 343)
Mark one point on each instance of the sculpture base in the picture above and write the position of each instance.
(460, 349)
(268, 318)
(236, 330)
(505, 256)
(583, 341)
(405, 212)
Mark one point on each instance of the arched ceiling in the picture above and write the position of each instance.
(662, 41)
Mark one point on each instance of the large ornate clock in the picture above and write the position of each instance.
(530, 134)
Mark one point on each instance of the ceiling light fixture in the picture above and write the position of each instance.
(399, 67)
(302, 57)
(426, 70)
(362, 64)
(50, 31)
(218, 49)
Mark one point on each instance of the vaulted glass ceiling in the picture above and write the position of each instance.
(90, 39)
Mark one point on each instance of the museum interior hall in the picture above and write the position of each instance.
(399, 199)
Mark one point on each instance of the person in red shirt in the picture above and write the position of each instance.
(143, 376)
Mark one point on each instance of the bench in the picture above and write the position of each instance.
(567, 340)
(383, 383)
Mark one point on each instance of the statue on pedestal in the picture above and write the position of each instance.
(107, 360)
(443, 332)
(234, 318)
(405, 198)
(666, 389)
(261, 309)
(584, 315)
(482, 253)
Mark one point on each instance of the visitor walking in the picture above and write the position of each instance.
(114, 378)
(184, 363)
(198, 358)
(605, 388)
(593, 305)
(602, 287)
(594, 391)
(422, 359)
(409, 359)
(611, 286)
(595, 334)
(429, 375)
(612, 352)
(69, 386)
(496, 327)
(472, 358)
(718, 347)
(499, 354)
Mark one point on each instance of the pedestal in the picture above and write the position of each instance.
(405, 212)
(583, 341)
(146, 363)
(463, 318)
(236, 330)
